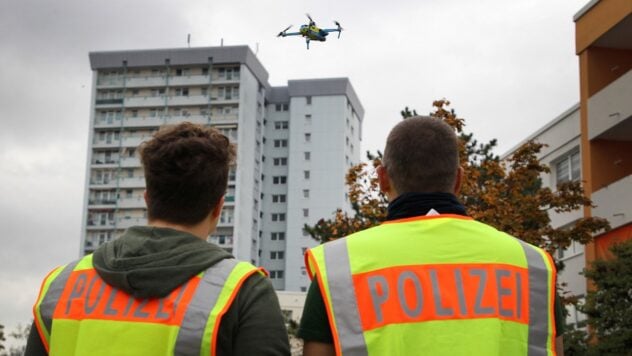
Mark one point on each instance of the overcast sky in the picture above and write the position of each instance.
(507, 66)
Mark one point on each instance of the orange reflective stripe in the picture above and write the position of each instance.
(87, 296)
(405, 294)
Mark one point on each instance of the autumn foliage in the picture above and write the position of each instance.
(507, 194)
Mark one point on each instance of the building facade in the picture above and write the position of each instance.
(592, 141)
(562, 154)
(603, 34)
(294, 145)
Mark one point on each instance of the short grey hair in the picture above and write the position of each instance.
(422, 155)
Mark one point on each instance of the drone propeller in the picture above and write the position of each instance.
(282, 33)
(311, 22)
(339, 27)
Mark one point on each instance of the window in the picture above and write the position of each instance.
(306, 174)
(286, 107)
(308, 137)
(278, 107)
(305, 212)
(274, 274)
(573, 250)
(279, 180)
(303, 289)
(277, 236)
(308, 155)
(280, 143)
(305, 193)
(277, 255)
(278, 217)
(278, 198)
(308, 119)
(280, 161)
(308, 100)
(281, 125)
(182, 91)
(568, 168)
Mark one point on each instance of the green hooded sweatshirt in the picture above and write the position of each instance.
(149, 262)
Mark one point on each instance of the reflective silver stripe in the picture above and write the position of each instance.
(343, 299)
(48, 304)
(538, 301)
(189, 340)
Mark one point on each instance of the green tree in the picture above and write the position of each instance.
(609, 306)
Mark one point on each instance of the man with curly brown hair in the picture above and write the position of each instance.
(161, 289)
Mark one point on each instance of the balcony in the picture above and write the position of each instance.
(191, 100)
(103, 183)
(134, 141)
(614, 202)
(99, 224)
(145, 101)
(135, 202)
(116, 122)
(226, 223)
(224, 119)
(100, 162)
(127, 222)
(195, 119)
(108, 102)
(189, 80)
(611, 107)
(101, 203)
(105, 143)
(107, 122)
(110, 82)
(130, 162)
(146, 81)
(131, 182)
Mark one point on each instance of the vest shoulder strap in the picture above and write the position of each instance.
(212, 298)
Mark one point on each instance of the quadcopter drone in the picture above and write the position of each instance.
(311, 32)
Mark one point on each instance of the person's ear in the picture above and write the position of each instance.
(217, 209)
(459, 180)
(384, 181)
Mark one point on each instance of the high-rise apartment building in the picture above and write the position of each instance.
(294, 145)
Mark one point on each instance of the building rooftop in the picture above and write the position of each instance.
(544, 128)
(180, 56)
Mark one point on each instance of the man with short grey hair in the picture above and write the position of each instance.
(430, 280)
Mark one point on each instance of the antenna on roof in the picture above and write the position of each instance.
(189, 40)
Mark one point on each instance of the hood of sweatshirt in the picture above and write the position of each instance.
(150, 262)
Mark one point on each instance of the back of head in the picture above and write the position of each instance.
(186, 171)
(421, 155)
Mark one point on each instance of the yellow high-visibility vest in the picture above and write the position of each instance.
(436, 285)
(77, 313)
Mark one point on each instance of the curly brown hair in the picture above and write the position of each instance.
(186, 171)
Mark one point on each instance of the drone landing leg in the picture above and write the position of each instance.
(307, 41)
